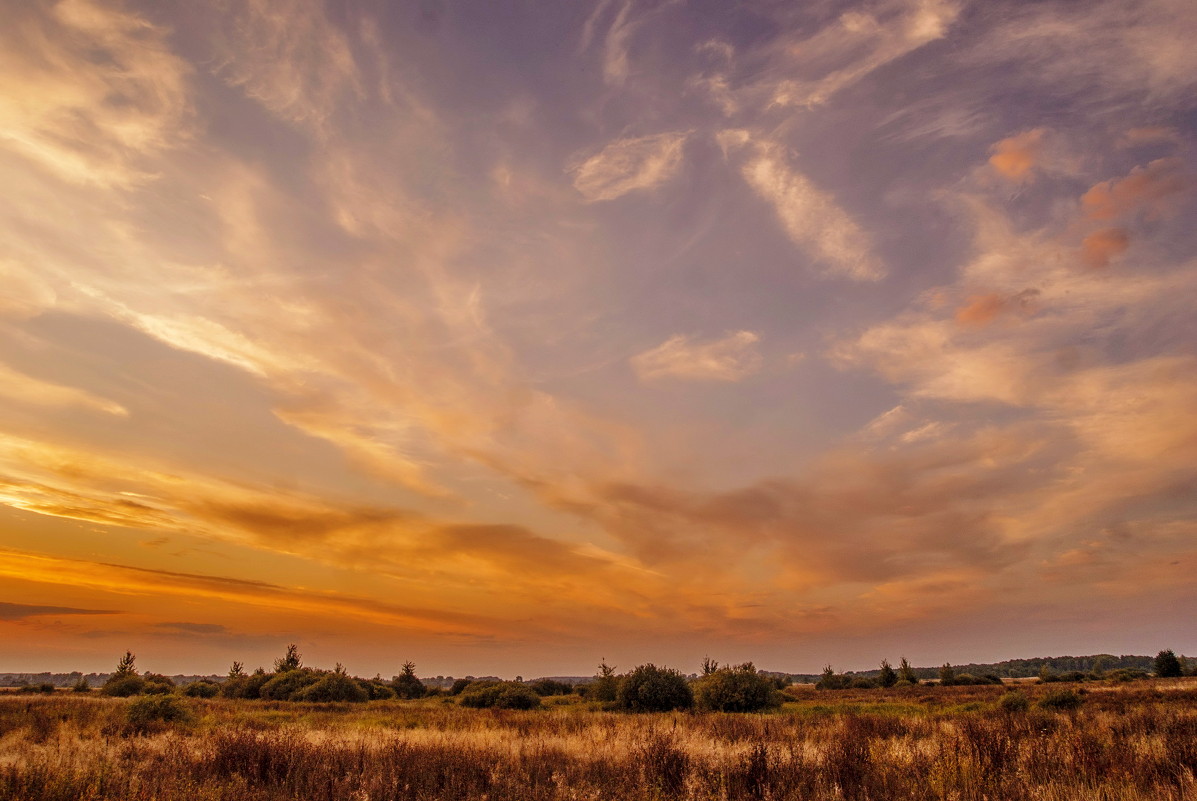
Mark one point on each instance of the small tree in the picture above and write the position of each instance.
(237, 671)
(709, 666)
(906, 672)
(289, 661)
(605, 686)
(407, 684)
(888, 677)
(649, 688)
(1167, 665)
(125, 665)
(947, 676)
(81, 686)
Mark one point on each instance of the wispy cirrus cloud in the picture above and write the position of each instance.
(628, 165)
(731, 358)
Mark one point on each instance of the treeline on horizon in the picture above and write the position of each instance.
(727, 688)
(1034, 667)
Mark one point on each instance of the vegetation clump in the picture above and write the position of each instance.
(499, 695)
(649, 688)
(146, 712)
(734, 689)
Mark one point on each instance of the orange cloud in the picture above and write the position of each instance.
(1015, 157)
(1099, 247)
(1153, 189)
(980, 310)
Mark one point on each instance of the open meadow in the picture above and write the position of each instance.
(1122, 742)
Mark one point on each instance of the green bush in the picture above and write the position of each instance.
(1167, 665)
(1061, 701)
(81, 686)
(377, 689)
(288, 685)
(546, 687)
(202, 689)
(499, 695)
(1014, 701)
(459, 685)
(334, 686)
(734, 689)
(407, 684)
(149, 710)
(123, 686)
(649, 688)
(157, 684)
(246, 686)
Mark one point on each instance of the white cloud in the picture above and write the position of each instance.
(630, 164)
(811, 217)
(729, 359)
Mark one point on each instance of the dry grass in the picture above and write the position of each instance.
(1128, 742)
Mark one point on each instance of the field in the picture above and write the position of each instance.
(1135, 741)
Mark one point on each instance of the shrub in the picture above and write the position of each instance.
(1014, 701)
(287, 686)
(123, 686)
(861, 683)
(459, 685)
(81, 686)
(545, 687)
(152, 709)
(1060, 700)
(288, 661)
(377, 689)
(245, 686)
(202, 689)
(157, 684)
(649, 688)
(407, 684)
(888, 676)
(1167, 665)
(734, 689)
(499, 695)
(830, 680)
(605, 686)
(334, 686)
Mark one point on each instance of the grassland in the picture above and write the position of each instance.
(1136, 741)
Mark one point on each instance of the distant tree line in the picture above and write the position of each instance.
(723, 688)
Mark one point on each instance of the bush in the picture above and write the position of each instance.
(288, 685)
(830, 680)
(157, 684)
(123, 686)
(649, 688)
(1167, 665)
(377, 689)
(149, 710)
(499, 695)
(407, 684)
(734, 689)
(334, 686)
(202, 689)
(459, 685)
(81, 686)
(1014, 701)
(246, 686)
(1060, 701)
(545, 687)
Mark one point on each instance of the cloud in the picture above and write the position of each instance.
(811, 217)
(1015, 158)
(980, 310)
(11, 611)
(1101, 246)
(1153, 190)
(89, 92)
(732, 358)
(854, 45)
(628, 165)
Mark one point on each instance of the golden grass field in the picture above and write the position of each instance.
(1132, 741)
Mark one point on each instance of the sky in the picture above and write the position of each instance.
(510, 336)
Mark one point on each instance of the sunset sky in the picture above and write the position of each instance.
(509, 335)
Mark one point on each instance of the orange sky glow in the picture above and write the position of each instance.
(507, 337)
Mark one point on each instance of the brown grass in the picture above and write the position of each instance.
(1128, 742)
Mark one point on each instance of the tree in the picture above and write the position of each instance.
(1167, 665)
(236, 671)
(906, 672)
(734, 689)
(709, 666)
(649, 688)
(605, 686)
(947, 675)
(290, 661)
(125, 666)
(888, 677)
(407, 684)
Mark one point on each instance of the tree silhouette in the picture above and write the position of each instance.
(1167, 665)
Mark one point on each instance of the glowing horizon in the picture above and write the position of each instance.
(508, 337)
